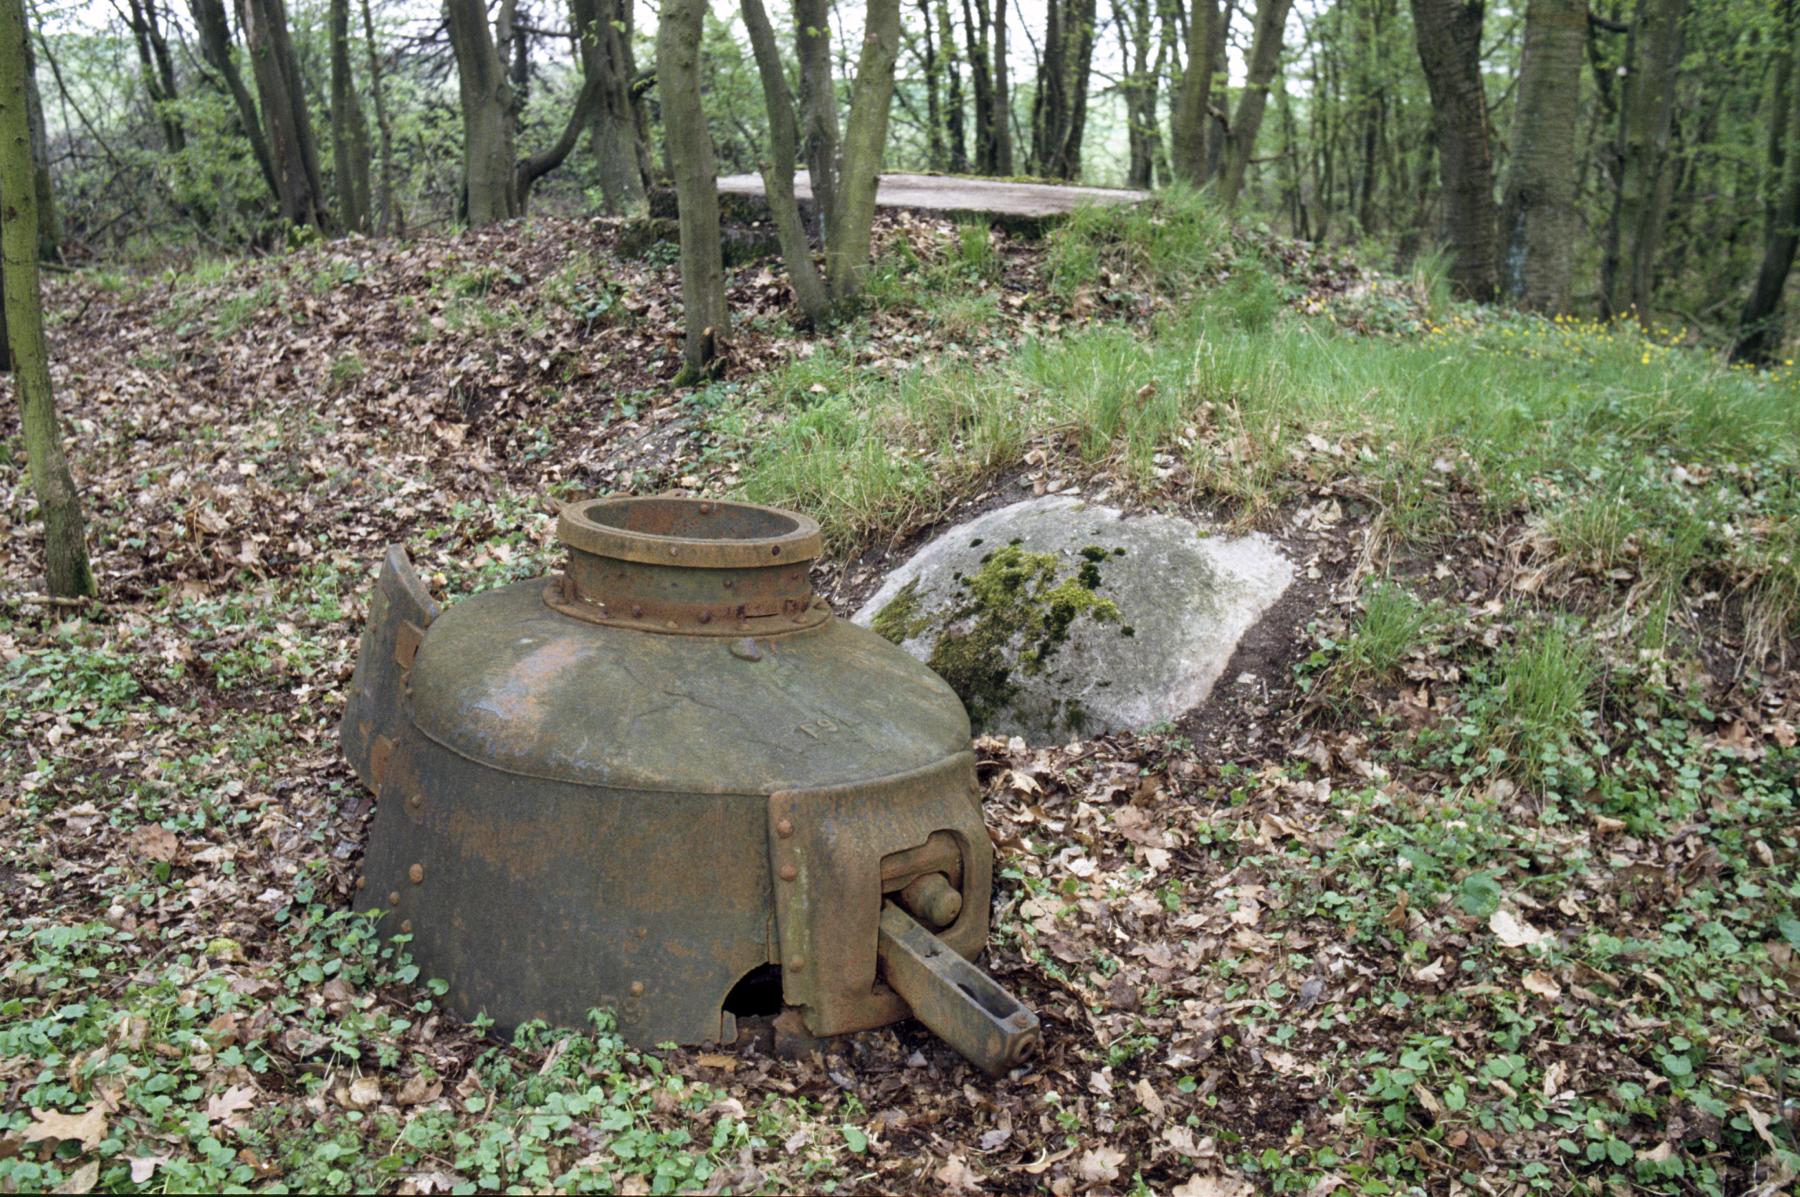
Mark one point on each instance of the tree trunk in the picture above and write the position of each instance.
(696, 186)
(1265, 55)
(1449, 40)
(1189, 117)
(49, 234)
(294, 154)
(157, 71)
(818, 106)
(778, 168)
(536, 166)
(604, 29)
(954, 130)
(1001, 96)
(975, 29)
(1059, 107)
(1537, 208)
(349, 132)
(1136, 34)
(1758, 330)
(1633, 235)
(215, 48)
(865, 141)
(392, 217)
(67, 571)
(490, 174)
(934, 88)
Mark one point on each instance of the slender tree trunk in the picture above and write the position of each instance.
(1265, 55)
(1634, 234)
(349, 131)
(696, 186)
(49, 233)
(215, 48)
(1189, 118)
(535, 166)
(604, 29)
(67, 571)
(865, 142)
(818, 107)
(778, 168)
(1449, 40)
(1758, 330)
(392, 217)
(1537, 208)
(1001, 95)
(954, 130)
(490, 174)
(935, 150)
(1059, 107)
(158, 72)
(294, 154)
(975, 28)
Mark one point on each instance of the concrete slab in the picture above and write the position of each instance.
(960, 194)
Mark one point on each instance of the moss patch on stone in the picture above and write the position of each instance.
(1014, 613)
(900, 620)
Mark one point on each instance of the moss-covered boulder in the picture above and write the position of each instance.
(1055, 618)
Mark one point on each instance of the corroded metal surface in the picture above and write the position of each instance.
(691, 566)
(961, 1004)
(575, 814)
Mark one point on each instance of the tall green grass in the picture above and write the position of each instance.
(1630, 455)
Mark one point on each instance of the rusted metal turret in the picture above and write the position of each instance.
(667, 780)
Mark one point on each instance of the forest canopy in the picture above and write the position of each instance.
(1628, 156)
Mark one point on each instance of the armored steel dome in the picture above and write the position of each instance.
(667, 776)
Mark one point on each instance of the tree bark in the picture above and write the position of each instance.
(1628, 270)
(299, 188)
(68, 573)
(535, 166)
(215, 48)
(778, 168)
(1059, 107)
(490, 168)
(818, 106)
(1537, 207)
(349, 131)
(1449, 40)
(955, 132)
(1188, 118)
(49, 231)
(865, 142)
(696, 187)
(1265, 55)
(1758, 330)
(604, 36)
(392, 218)
(1001, 95)
(975, 30)
(158, 72)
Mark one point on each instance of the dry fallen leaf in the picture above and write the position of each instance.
(220, 1107)
(1204, 1185)
(1513, 931)
(1147, 1097)
(365, 1091)
(154, 842)
(418, 1091)
(1100, 1164)
(958, 1177)
(87, 1128)
(82, 1180)
(1542, 984)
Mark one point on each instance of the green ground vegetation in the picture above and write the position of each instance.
(1508, 898)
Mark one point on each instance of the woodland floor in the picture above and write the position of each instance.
(1489, 881)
